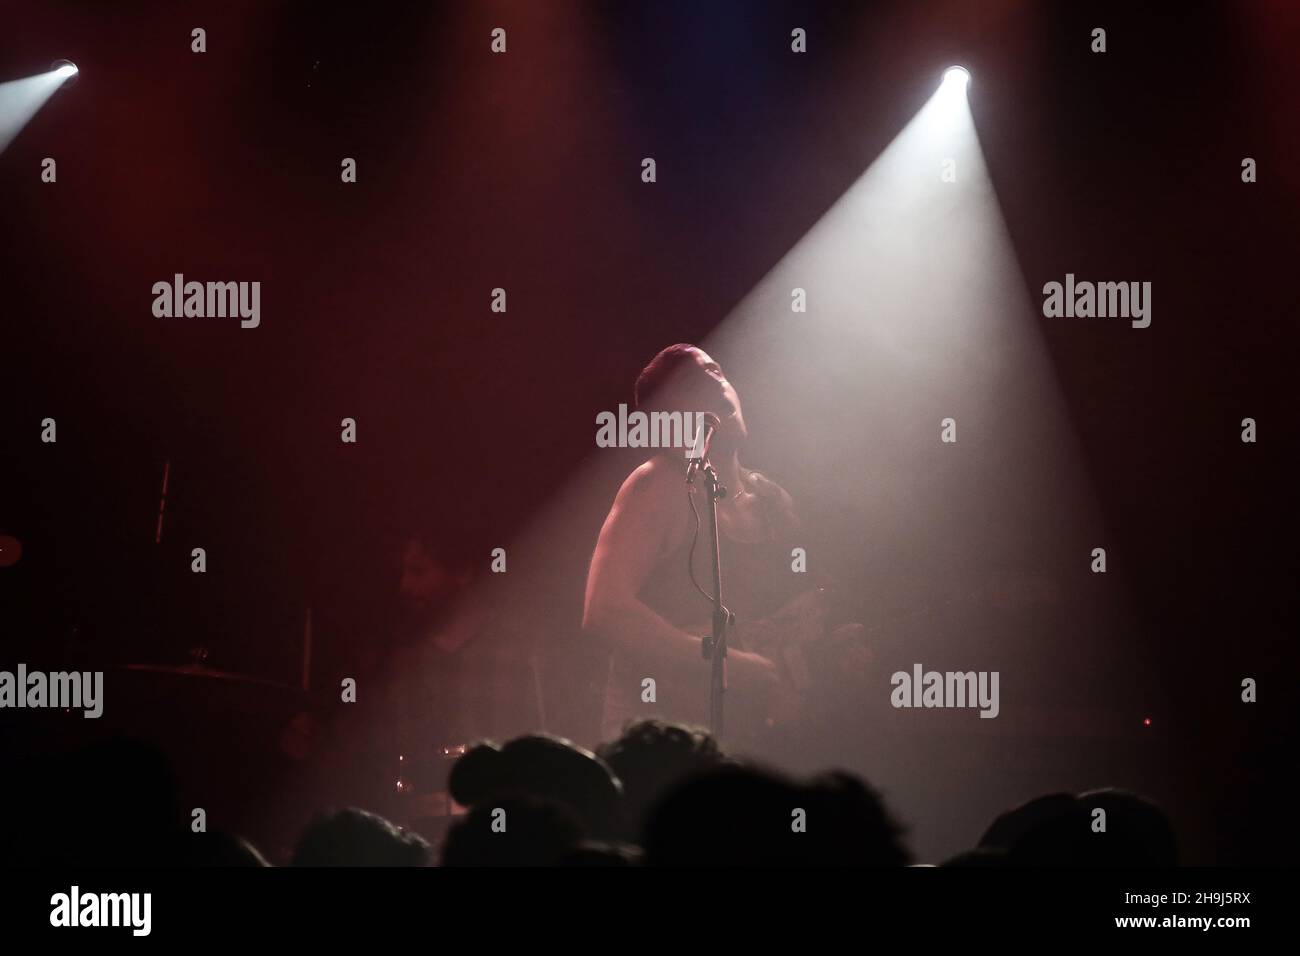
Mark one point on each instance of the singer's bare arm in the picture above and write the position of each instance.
(650, 518)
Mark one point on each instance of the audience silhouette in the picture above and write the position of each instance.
(662, 794)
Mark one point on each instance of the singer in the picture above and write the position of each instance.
(641, 599)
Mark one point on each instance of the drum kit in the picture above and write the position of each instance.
(410, 790)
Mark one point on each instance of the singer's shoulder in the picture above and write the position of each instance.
(775, 498)
(649, 507)
(655, 478)
(657, 485)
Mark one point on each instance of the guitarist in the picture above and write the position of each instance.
(640, 598)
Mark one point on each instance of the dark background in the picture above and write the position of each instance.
(523, 172)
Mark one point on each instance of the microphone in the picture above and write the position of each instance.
(699, 450)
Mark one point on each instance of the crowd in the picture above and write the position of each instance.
(662, 794)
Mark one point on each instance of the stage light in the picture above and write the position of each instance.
(21, 99)
(65, 70)
(957, 76)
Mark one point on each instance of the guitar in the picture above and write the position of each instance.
(798, 639)
(817, 660)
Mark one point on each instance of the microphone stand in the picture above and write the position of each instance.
(715, 646)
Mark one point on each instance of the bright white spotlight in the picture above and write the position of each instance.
(21, 99)
(64, 70)
(957, 76)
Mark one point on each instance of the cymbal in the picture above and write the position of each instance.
(196, 670)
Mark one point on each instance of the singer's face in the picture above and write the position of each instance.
(423, 578)
(716, 394)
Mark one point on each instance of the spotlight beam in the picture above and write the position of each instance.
(21, 99)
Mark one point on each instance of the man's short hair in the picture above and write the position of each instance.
(659, 371)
